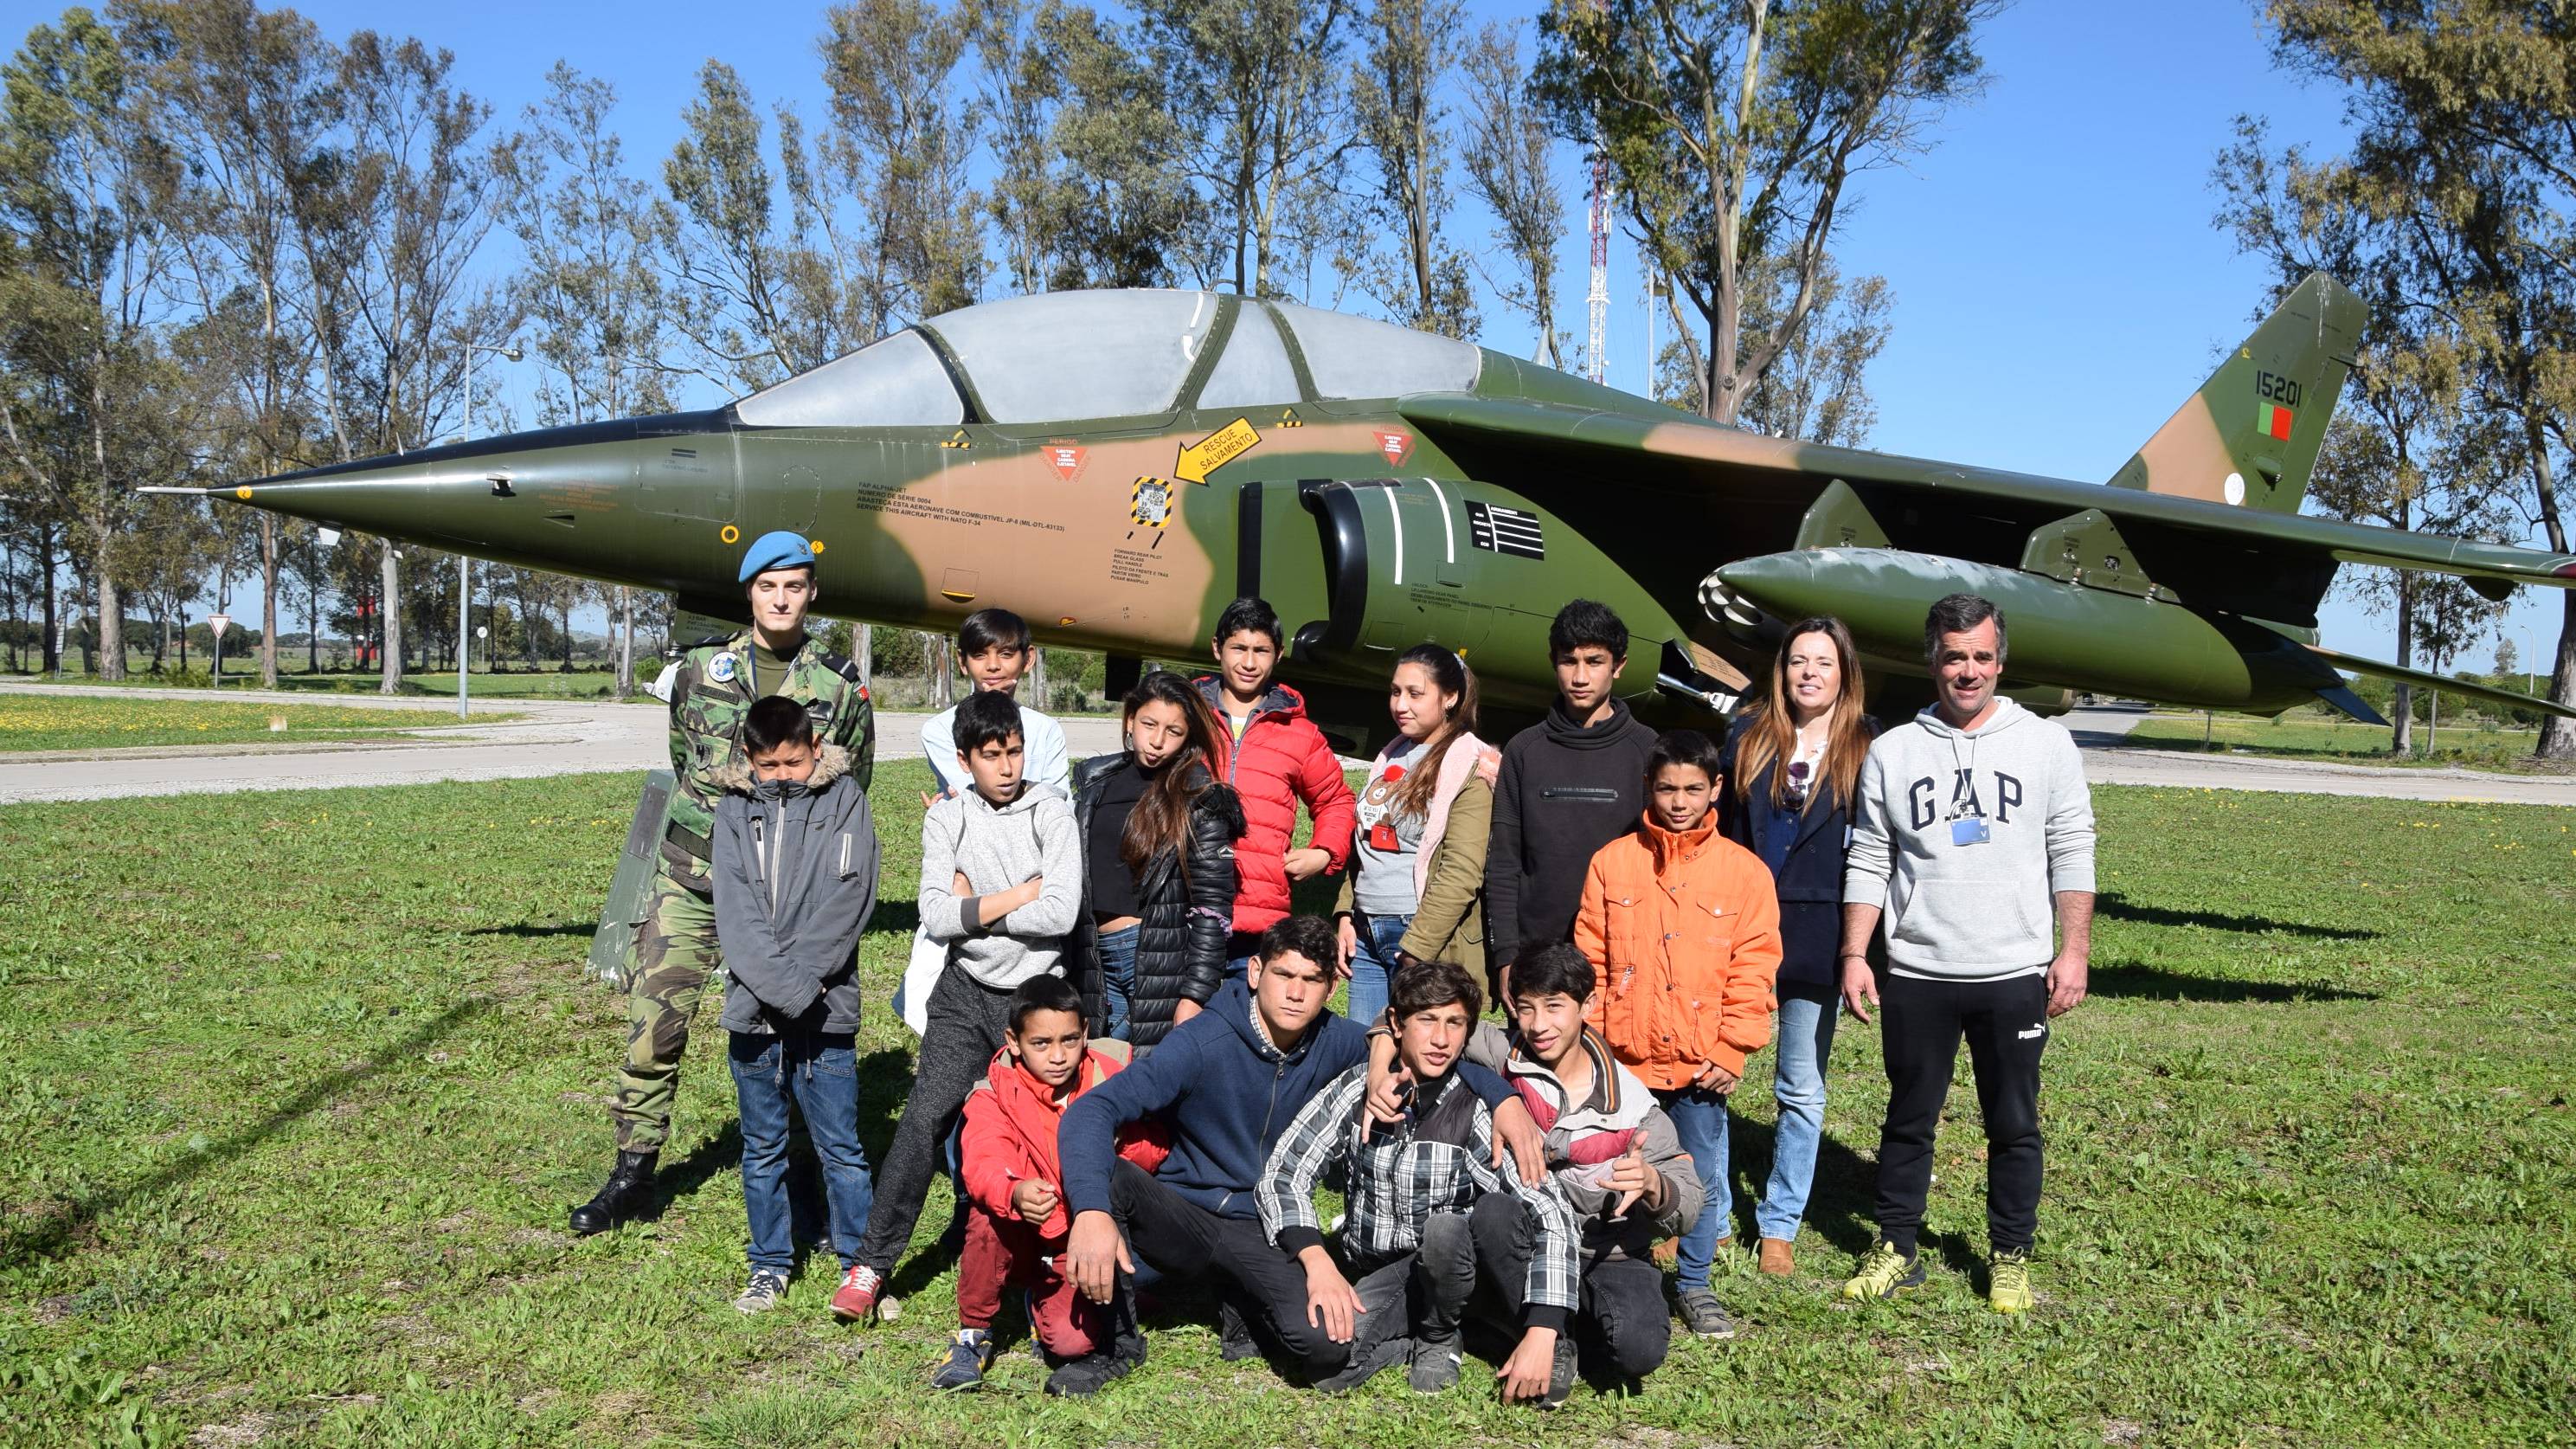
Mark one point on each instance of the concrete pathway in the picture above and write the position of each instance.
(550, 737)
(564, 737)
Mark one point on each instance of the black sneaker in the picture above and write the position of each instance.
(1234, 1340)
(1087, 1375)
(1703, 1314)
(1434, 1369)
(1366, 1365)
(1560, 1374)
(969, 1354)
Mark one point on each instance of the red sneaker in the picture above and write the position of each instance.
(856, 1299)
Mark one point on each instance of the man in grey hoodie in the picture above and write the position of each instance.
(794, 870)
(1001, 884)
(1972, 827)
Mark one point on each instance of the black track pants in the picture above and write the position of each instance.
(2006, 1026)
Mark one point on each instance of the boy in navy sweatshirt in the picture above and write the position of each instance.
(1227, 1082)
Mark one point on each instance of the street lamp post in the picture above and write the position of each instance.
(464, 566)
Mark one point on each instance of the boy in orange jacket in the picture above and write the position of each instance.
(1683, 930)
(1016, 1224)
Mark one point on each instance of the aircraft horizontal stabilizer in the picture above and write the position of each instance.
(2422, 679)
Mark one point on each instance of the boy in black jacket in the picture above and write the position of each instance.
(1568, 787)
(795, 873)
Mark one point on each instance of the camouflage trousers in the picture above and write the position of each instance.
(674, 954)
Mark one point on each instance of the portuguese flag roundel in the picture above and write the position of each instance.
(2273, 420)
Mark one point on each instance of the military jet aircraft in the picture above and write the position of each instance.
(1116, 465)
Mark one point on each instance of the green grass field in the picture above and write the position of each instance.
(2344, 742)
(71, 722)
(298, 1087)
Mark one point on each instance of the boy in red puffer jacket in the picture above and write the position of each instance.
(1017, 1222)
(1275, 759)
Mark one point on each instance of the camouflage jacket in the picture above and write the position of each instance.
(710, 693)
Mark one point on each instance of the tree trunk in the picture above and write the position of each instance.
(866, 641)
(2557, 734)
(389, 624)
(1037, 679)
(111, 622)
(2401, 730)
(625, 641)
(268, 600)
(52, 645)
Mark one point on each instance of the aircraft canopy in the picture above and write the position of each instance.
(1067, 356)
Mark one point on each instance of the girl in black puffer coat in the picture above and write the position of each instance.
(1158, 832)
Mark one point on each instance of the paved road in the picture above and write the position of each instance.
(563, 737)
(551, 737)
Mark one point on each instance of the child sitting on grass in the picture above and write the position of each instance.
(1015, 1182)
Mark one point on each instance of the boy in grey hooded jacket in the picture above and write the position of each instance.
(795, 876)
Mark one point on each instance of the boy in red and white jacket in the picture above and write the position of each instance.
(1016, 1222)
(1276, 759)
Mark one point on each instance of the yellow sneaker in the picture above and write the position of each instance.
(2008, 1288)
(1884, 1273)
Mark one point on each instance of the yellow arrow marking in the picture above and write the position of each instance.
(1214, 451)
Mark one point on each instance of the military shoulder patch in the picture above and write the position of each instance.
(721, 668)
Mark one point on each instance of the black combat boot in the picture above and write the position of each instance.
(628, 1192)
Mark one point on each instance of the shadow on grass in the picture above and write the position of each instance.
(532, 929)
(1841, 1202)
(2120, 908)
(49, 1234)
(2154, 983)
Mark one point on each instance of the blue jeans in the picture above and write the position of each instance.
(1117, 978)
(1806, 1043)
(821, 1072)
(1372, 964)
(1700, 1120)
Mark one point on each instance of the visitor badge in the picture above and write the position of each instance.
(1971, 831)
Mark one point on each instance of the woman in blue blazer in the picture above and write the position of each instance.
(1792, 763)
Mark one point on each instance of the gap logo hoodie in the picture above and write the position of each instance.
(1961, 908)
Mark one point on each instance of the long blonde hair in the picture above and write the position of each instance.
(1771, 735)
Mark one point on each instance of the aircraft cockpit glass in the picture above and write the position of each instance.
(894, 382)
(1255, 368)
(1064, 355)
(1355, 357)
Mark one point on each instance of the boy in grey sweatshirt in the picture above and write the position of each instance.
(1001, 882)
(1972, 834)
(794, 867)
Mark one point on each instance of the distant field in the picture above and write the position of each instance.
(2345, 742)
(71, 722)
(299, 1086)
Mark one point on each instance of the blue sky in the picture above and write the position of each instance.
(2059, 288)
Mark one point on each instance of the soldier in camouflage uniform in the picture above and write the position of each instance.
(675, 943)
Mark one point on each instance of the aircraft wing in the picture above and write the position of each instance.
(1762, 530)
(1653, 454)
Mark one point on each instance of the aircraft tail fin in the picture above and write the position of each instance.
(2250, 435)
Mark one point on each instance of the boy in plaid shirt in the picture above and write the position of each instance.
(1418, 1194)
